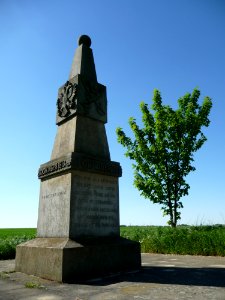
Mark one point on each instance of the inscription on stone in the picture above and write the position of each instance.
(54, 167)
(96, 204)
(52, 195)
(77, 162)
(53, 218)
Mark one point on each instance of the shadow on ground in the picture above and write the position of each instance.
(214, 277)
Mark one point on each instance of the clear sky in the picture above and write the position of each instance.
(138, 45)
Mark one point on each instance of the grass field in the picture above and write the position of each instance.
(9, 238)
(193, 240)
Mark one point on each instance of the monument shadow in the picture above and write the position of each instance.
(214, 277)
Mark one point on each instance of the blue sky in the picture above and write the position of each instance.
(173, 46)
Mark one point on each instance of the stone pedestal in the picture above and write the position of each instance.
(78, 233)
(78, 223)
(79, 204)
(66, 260)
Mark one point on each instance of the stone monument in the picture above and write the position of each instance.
(78, 234)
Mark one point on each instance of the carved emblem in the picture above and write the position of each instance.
(93, 95)
(67, 99)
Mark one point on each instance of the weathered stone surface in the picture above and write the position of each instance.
(82, 135)
(83, 62)
(94, 208)
(55, 167)
(80, 96)
(79, 204)
(65, 260)
(81, 162)
(41, 257)
(54, 207)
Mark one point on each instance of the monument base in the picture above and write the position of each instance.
(66, 260)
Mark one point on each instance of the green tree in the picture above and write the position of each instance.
(163, 149)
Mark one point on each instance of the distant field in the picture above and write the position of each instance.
(9, 238)
(12, 232)
(193, 240)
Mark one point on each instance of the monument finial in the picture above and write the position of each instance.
(85, 40)
(83, 62)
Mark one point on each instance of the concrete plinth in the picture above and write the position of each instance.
(66, 260)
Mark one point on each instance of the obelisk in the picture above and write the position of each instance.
(78, 233)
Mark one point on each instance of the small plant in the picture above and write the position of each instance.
(33, 285)
(4, 275)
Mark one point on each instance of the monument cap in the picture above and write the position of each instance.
(83, 61)
(85, 40)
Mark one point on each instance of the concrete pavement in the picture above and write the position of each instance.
(161, 277)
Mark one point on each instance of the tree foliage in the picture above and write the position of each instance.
(163, 149)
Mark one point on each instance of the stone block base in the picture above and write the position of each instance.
(65, 260)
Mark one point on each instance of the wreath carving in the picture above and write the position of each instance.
(67, 99)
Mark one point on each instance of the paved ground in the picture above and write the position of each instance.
(161, 277)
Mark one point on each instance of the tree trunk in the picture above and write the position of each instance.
(175, 214)
(171, 212)
(173, 225)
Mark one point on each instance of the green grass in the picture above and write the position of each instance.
(193, 240)
(10, 238)
(33, 285)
